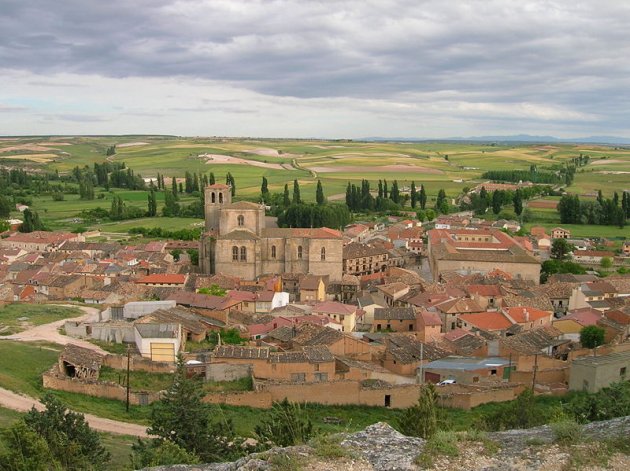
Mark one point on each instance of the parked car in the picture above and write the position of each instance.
(446, 381)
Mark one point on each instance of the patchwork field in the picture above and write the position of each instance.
(451, 166)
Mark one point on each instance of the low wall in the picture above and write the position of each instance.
(137, 363)
(258, 399)
(227, 371)
(551, 376)
(53, 380)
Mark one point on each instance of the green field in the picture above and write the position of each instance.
(32, 315)
(437, 165)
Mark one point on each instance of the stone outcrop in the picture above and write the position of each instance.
(381, 448)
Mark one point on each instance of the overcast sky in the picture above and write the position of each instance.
(338, 69)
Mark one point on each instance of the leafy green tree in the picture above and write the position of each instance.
(560, 249)
(31, 221)
(171, 207)
(151, 204)
(296, 192)
(5, 207)
(606, 262)
(319, 193)
(183, 418)
(520, 413)
(148, 453)
(518, 202)
(25, 450)
(592, 336)
(421, 419)
(4, 226)
(286, 424)
(213, 290)
(69, 437)
(194, 256)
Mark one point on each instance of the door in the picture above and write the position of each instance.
(162, 352)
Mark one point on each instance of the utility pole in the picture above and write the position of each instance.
(421, 359)
(510, 369)
(128, 360)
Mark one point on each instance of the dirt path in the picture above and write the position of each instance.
(21, 403)
(50, 332)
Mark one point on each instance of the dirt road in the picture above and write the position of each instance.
(21, 403)
(50, 332)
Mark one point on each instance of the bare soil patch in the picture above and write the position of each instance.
(29, 147)
(608, 161)
(41, 158)
(132, 144)
(378, 169)
(228, 159)
(264, 151)
(543, 204)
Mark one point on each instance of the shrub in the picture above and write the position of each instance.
(566, 431)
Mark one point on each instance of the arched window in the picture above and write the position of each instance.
(273, 251)
(243, 254)
(299, 251)
(235, 253)
(214, 197)
(220, 197)
(323, 253)
(241, 220)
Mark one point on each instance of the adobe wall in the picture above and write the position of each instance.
(137, 363)
(227, 371)
(260, 400)
(467, 398)
(549, 376)
(96, 388)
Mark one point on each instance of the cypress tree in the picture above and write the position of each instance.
(423, 197)
(286, 198)
(319, 194)
(414, 195)
(296, 192)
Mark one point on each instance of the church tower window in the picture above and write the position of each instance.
(273, 251)
(323, 253)
(220, 197)
(243, 254)
(214, 197)
(235, 253)
(299, 252)
(241, 220)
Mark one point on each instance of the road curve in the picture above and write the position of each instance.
(14, 401)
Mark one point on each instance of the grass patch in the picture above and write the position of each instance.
(120, 448)
(443, 443)
(115, 348)
(34, 314)
(287, 462)
(22, 365)
(535, 441)
(329, 447)
(108, 408)
(566, 432)
(139, 380)
(8, 417)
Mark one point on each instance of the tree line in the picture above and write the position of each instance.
(602, 211)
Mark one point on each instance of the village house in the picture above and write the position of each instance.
(480, 251)
(394, 319)
(163, 280)
(428, 325)
(528, 317)
(346, 314)
(158, 341)
(404, 354)
(491, 321)
(356, 232)
(560, 233)
(362, 259)
(39, 241)
(571, 324)
(591, 257)
(393, 292)
(466, 370)
(312, 289)
(594, 373)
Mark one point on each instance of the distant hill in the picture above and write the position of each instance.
(516, 138)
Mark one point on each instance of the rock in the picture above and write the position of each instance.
(385, 448)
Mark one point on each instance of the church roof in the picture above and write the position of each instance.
(306, 233)
(218, 186)
(239, 234)
(243, 205)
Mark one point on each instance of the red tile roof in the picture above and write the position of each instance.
(487, 320)
(523, 315)
(163, 278)
(585, 316)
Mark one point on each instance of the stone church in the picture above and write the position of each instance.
(237, 242)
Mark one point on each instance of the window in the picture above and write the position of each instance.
(493, 372)
(323, 253)
(220, 197)
(321, 377)
(214, 197)
(298, 377)
(273, 251)
(299, 252)
(388, 400)
(241, 220)
(622, 372)
(243, 254)
(235, 253)
(410, 327)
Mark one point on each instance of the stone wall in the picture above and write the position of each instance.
(53, 380)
